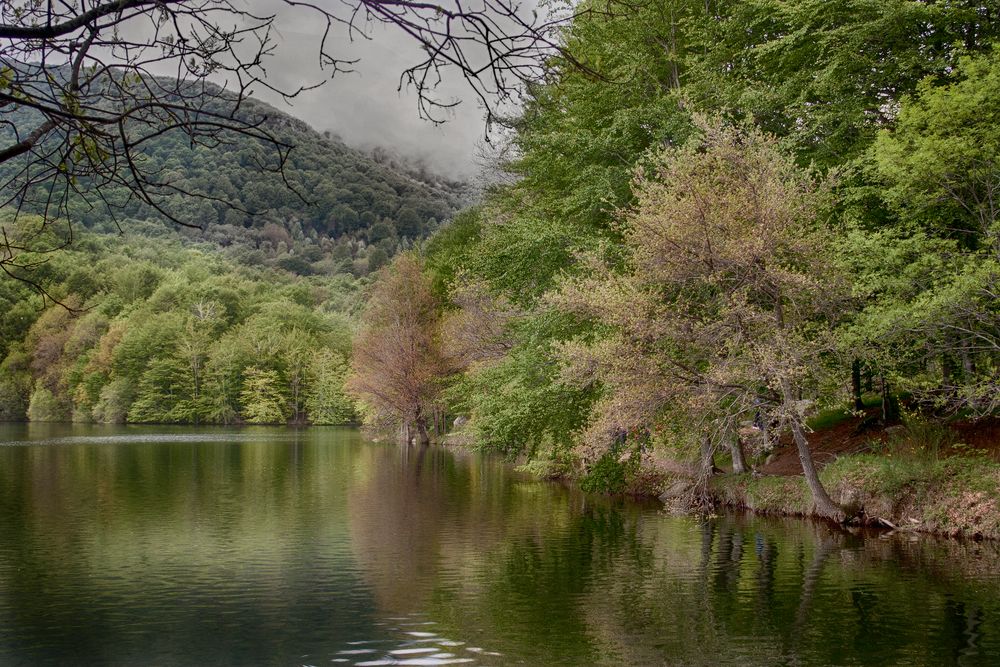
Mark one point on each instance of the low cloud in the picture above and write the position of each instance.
(364, 106)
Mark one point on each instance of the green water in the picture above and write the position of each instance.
(158, 546)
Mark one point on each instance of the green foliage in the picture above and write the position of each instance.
(44, 406)
(264, 401)
(326, 401)
(451, 249)
(931, 319)
(112, 406)
(609, 474)
(169, 334)
(519, 404)
(894, 100)
(940, 161)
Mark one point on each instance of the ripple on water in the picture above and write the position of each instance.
(412, 647)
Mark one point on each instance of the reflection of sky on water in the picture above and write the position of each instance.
(413, 647)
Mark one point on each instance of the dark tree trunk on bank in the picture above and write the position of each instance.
(890, 406)
(859, 403)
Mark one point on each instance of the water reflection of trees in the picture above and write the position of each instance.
(557, 578)
(113, 553)
(544, 574)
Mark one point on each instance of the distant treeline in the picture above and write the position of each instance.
(157, 330)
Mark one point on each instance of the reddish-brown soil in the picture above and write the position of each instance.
(850, 437)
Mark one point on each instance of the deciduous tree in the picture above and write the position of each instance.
(398, 363)
(723, 307)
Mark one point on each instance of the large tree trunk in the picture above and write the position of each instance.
(707, 467)
(825, 506)
(700, 494)
(736, 449)
(859, 403)
(423, 437)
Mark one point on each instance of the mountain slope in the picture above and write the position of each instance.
(336, 191)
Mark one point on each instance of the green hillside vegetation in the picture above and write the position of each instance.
(153, 330)
(339, 204)
(759, 211)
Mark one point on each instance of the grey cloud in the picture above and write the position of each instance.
(364, 106)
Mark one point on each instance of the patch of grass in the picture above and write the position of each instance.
(779, 495)
(966, 499)
(921, 439)
(871, 400)
(730, 489)
(829, 418)
(911, 483)
(879, 474)
(766, 495)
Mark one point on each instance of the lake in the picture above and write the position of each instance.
(204, 546)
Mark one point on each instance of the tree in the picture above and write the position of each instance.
(45, 407)
(930, 283)
(326, 400)
(722, 308)
(297, 352)
(81, 100)
(397, 362)
(262, 397)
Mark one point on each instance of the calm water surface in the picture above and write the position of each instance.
(154, 546)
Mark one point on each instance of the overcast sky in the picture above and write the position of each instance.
(364, 107)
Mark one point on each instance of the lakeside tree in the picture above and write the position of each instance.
(397, 361)
(326, 401)
(263, 398)
(724, 308)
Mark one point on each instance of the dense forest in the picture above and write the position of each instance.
(760, 214)
(155, 330)
(325, 203)
(735, 223)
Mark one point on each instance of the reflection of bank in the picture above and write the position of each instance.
(463, 541)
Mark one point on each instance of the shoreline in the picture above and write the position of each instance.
(955, 497)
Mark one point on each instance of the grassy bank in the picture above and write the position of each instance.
(957, 495)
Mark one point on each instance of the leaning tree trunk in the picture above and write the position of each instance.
(825, 506)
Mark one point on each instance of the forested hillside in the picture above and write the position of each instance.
(760, 211)
(326, 201)
(152, 330)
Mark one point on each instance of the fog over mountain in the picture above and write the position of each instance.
(364, 106)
